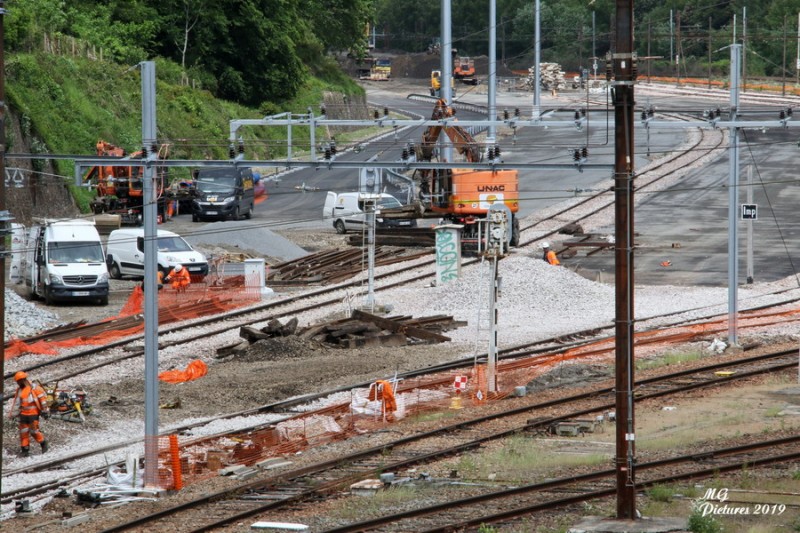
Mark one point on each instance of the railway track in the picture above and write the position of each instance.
(311, 483)
(294, 305)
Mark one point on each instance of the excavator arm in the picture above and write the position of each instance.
(464, 143)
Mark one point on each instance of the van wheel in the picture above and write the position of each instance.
(195, 218)
(340, 229)
(249, 213)
(48, 300)
(103, 300)
(236, 215)
(114, 271)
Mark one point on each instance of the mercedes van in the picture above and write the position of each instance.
(63, 261)
(125, 253)
(225, 192)
(347, 211)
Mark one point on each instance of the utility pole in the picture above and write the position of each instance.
(492, 71)
(733, 197)
(783, 64)
(371, 204)
(150, 148)
(537, 58)
(709, 52)
(2, 213)
(678, 50)
(744, 49)
(622, 96)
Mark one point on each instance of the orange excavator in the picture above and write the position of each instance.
(120, 187)
(459, 195)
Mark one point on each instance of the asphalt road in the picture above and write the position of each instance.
(686, 226)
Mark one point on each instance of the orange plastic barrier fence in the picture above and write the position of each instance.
(194, 370)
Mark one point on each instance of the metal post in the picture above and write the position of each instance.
(744, 49)
(537, 58)
(150, 266)
(709, 52)
(783, 63)
(447, 54)
(491, 367)
(733, 197)
(370, 301)
(492, 71)
(313, 135)
(594, 48)
(289, 141)
(2, 208)
(671, 38)
(750, 225)
(623, 100)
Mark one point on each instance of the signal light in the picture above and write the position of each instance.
(376, 115)
(576, 155)
(385, 111)
(497, 151)
(241, 145)
(328, 153)
(491, 154)
(231, 151)
(516, 112)
(405, 154)
(505, 114)
(584, 152)
(322, 110)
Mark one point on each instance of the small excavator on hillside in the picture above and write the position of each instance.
(120, 187)
(461, 195)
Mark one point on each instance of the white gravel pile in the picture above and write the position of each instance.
(23, 319)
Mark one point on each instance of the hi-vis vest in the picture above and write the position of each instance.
(30, 400)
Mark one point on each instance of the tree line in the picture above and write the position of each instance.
(247, 51)
(575, 31)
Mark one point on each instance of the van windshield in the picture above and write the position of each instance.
(220, 184)
(173, 244)
(389, 203)
(75, 252)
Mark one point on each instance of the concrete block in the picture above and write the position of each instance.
(366, 487)
(246, 474)
(271, 461)
(279, 465)
(231, 470)
(75, 520)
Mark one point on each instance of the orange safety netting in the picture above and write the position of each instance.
(194, 370)
(212, 295)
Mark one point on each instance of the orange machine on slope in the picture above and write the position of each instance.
(463, 196)
(120, 187)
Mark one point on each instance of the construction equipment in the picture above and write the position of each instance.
(464, 70)
(69, 405)
(120, 187)
(462, 196)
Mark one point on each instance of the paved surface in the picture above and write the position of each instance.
(596, 524)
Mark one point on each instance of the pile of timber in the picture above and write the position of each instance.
(331, 266)
(362, 329)
(365, 329)
(407, 237)
(550, 75)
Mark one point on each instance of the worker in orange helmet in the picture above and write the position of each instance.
(549, 255)
(30, 402)
(179, 278)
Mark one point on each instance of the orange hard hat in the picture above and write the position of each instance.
(20, 375)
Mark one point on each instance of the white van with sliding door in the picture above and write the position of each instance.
(347, 211)
(125, 253)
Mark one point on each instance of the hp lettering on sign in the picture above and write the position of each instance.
(749, 211)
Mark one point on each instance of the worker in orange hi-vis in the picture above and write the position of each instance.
(30, 402)
(382, 391)
(179, 278)
(549, 255)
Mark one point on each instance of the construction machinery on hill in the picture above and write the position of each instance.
(120, 189)
(460, 195)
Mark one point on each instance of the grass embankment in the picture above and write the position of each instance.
(67, 103)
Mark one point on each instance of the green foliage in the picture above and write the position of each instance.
(487, 529)
(661, 493)
(703, 524)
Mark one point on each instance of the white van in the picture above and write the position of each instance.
(63, 261)
(346, 211)
(125, 255)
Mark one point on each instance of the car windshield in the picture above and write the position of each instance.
(389, 203)
(219, 184)
(173, 244)
(75, 252)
